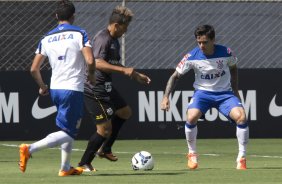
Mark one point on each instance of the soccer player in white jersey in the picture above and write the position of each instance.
(216, 85)
(67, 48)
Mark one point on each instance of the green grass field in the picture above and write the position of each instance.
(216, 163)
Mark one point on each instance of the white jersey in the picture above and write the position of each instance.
(211, 72)
(63, 47)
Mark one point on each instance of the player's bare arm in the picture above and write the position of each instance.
(130, 72)
(165, 105)
(35, 73)
(141, 78)
(89, 58)
(234, 79)
(109, 68)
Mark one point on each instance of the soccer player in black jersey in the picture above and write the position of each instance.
(105, 105)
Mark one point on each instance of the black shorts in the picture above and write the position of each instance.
(102, 109)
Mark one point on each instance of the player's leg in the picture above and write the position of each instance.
(100, 113)
(50, 141)
(232, 108)
(123, 112)
(70, 111)
(66, 168)
(66, 149)
(118, 121)
(191, 131)
(197, 106)
(242, 132)
(70, 108)
(94, 143)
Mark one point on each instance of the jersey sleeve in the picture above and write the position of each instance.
(40, 49)
(184, 65)
(85, 39)
(100, 47)
(233, 60)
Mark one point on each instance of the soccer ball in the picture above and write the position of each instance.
(142, 160)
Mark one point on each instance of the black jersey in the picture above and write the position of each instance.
(107, 48)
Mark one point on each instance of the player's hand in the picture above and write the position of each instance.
(44, 90)
(141, 78)
(165, 105)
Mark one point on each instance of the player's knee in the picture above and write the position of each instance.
(238, 115)
(240, 118)
(107, 132)
(104, 130)
(193, 116)
(128, 113)
(124, 113)
(192, 120)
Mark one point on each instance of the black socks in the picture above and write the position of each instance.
(95, 142)
(117, 123)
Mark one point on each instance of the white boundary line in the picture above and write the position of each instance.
(167, 153)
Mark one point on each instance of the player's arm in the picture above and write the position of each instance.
(104, 66)
(234, 79)
(89, 58)
(140, 77)
(165, 105)
(35, 73)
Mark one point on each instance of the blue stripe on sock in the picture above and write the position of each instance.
(188, 125)
(244, 125)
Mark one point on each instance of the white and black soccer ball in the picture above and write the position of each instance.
(142, 160)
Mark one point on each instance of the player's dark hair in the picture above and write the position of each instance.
(65, 10)
(121, 15)
(207, 30)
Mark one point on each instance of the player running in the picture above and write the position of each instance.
(67, 48)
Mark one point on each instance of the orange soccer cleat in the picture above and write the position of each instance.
(192, 160)
(24, 156)
(241, 163)
(71, 171)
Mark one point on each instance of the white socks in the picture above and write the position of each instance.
(66, 155)
(243, 138)
(191, 138)
(53, 140)
(50, 141)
